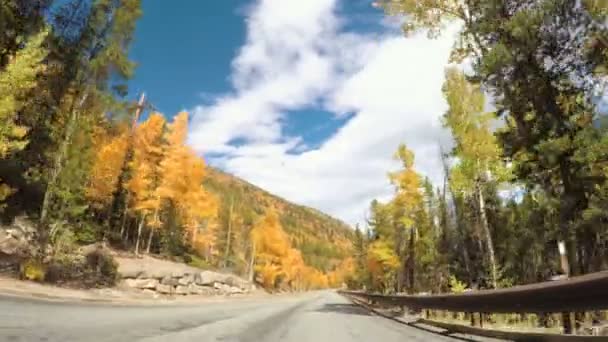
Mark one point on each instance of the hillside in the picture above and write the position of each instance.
(323, 241)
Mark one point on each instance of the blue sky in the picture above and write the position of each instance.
(306, 99)
(184, 54)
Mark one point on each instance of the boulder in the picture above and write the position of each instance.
(164, 289)
(195, 289)
(235, 281)
(235, 290)
(207, 278)
(186, 279)
(9, 245)
(170, 281)
(142, 283)
(18, 238)
(151, 293)
(182, 290)
(222, 288)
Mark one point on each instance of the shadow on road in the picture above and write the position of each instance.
(348, 309)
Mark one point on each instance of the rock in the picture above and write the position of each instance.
(182, 290)
(235, 290)
(164, 289)
(198, 290)
(142, 283)
(195, 289)
(151, 293)
(94, 247)
(22, 224)
(186, 280)
(206, 278)
(169, 281)
(235, 281)
(222, 288)
(9, 245)
(18, 238)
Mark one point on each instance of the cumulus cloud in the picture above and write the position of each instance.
(300, 55)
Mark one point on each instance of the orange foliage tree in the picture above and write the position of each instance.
(107, 166)
(182, 178)
(145, 172)
(277, 264)
(270, 246)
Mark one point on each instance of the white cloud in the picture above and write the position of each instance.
(297, 55)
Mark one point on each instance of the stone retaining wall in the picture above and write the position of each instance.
(163, 277)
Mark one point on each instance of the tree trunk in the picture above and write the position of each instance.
(124, 217)
(401, 252)
(229, 234)
(252, 263)
(487, 233)
(56, 168)
(149, 241)
(139, 228)
(411, 262)
(465, 252)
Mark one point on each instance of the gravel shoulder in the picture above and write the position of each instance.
(12, 287)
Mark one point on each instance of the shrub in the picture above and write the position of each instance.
(456, 285)
(116, 240)
(103, 266)
(63, 271)
(33, 270)
(87, 234)
(96, 269)
(198, 262)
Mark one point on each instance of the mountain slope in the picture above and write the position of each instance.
(323, 241)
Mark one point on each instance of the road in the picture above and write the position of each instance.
(314, 317)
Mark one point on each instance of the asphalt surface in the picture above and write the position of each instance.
(315, 317)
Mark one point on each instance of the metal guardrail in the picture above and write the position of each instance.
(583, 293)
(458, 330)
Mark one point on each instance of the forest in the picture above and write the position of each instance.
(527, 171)
(528, 168)
(86, 164)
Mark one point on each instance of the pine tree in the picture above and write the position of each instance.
(96, 55)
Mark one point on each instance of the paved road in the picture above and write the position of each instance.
(315, 317)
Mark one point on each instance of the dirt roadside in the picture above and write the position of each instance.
(27, 289)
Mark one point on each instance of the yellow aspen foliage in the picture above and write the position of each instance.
(293, 268)
(339, 276)
(18, 78)
(278, 264)
(182, 175)
(268, 274)
(205, 241)
(382, 262)
(409, 197)
(270, 240)
(271, 247)
(107, 166)
(145, 173)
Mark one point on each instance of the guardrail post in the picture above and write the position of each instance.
(567, 323)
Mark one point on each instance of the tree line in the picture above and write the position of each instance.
(528, 168)
(89, 165)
